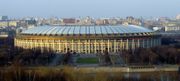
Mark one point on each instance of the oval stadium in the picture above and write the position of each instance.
(87, 39)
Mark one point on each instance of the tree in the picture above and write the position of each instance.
(152, 56)
(107, 57)
(67, 56)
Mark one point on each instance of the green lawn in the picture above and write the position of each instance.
(88, 60)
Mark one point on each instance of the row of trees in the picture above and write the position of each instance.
(5, 55)
(155, 55)
(30, 57)
(9, 56)
(70, 74)
(67, 58)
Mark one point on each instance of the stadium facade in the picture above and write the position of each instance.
(87, 39)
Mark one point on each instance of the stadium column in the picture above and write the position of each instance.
(66, 45)
(59, 45)
(151, 42)
(18, 44)
(138, 44)
(39, 43)
(41, 46)
(35, 43)
(121, 45)
(89, 46)
(15, 42)
(18, 41)
(147, 43)
(108, 45)
(24, 43)
(85, 45)
(117, 41)
(72, 45)
(115, 46)
(99, 46)
(102, 46)
(53, 43)
(143, 43)
(133, 44)
(159, 39)
(45, 44)
(127, 43)
(79, 49)
(95, 50)
(48, 45)
(21, 43)
(30, 44)
(156, 41)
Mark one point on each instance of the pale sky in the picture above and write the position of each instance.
(94, 8)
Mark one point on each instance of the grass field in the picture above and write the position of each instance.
(87, 60)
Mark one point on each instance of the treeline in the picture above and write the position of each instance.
(155, 55)
(16, 73)
(30, 57)
(19, 56)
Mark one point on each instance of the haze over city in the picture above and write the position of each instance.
(94, 8)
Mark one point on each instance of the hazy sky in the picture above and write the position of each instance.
(94, 8)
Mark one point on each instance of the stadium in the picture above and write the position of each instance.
(87, 39)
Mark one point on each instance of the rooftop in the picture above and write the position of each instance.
(68, 30)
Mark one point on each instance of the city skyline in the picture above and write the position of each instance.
(94, 8)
